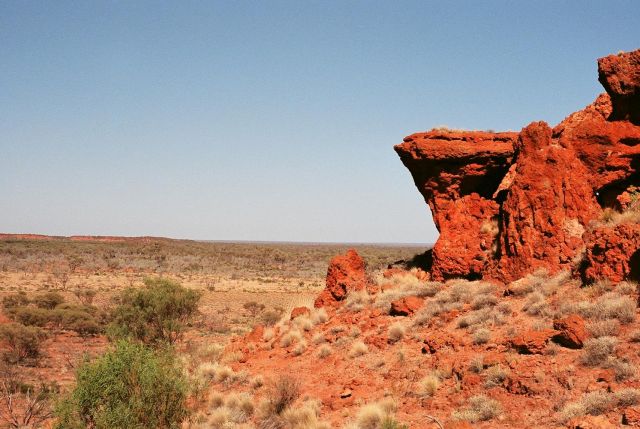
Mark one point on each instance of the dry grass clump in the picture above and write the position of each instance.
(356, 301)
(358, 348)
(539, 281)
(476, 364)
(268, 334)
(305, 416)
(299, 348)
(219, 373)
(611, 217)
(303, 322)
(429, 385)
(479, 408)
(495, 376)
(596, 403)
(256, 382)
(603, 328)
(318, 338)
(403, 286)
(324, 351)
(481, 336)
(622, 369)
(609, 306)
(479, 317)
(536, 304)
(634, 336)
(319, 316)
(596, 351)
(379, 415)
(283, 392)
(626, 288)
(396, 332)
(290, 337)
(240, 406)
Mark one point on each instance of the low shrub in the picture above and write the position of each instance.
(19, 299)
(24, 342)
(131, 386)
(358, 349)
(48, 300)
(596, 351)
(155, 314)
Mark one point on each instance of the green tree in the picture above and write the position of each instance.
(155, 314)
(132, 387)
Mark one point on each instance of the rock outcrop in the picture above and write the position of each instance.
(346, 273)
(507, 204)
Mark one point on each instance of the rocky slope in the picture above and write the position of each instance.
(525, 315)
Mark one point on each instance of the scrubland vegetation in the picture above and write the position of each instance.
(162, 353)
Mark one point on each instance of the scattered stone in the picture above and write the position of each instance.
(406, 306)
(532, 342)
(572, 332)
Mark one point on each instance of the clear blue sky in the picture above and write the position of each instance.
(269, 120)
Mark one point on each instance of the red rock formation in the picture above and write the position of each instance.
(346, 273)
(547, 207)
(613, 252)
(300, 311)
(406, 306)
(506, 204)
(572, 331)
(457, 174)
(620, 76)
(532, 342)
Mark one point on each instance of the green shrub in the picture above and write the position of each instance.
(131, 386)
(155, 314)
(15, 300)
(23, 341)
(30, 316)
(48, 300)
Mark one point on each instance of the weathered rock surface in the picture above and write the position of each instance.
(507, 204)
(406, 306)
(620, 76)
(346, 273)
(572, 332)
(613, 252)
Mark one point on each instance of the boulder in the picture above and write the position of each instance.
(346, 273)
(300, 311)
(620, 77)
(532, 342)
(406, 306)
(571, 331)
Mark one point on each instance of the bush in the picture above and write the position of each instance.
(30, 316)
(155, 314)
(597, 350)
(23, 341)
(48, 300)
(131, 386)
(15, 300)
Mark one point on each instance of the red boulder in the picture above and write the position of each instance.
(346, 273)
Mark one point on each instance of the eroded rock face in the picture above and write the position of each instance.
(620, 76)
(346, 273)
(507, 204)
(613, 252)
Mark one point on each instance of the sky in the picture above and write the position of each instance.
(270, 120)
